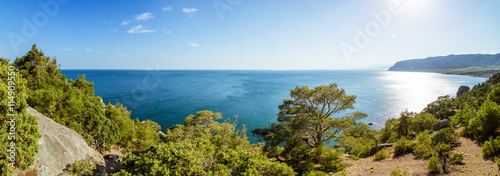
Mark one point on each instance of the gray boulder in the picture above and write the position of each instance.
(58, 147)
(462, 89)
(441, 124)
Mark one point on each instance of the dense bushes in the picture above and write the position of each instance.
(442, 108)
(491, 147)
(457, 158)
(446, 135)
(422, 121)
(81, 167)
(403, 146)
(329, 159)
(434, 165)
(206, 148)
(423, 148)
(135, 135)
(486, 121)
(25, 125)
(71, 103)
(381, 155)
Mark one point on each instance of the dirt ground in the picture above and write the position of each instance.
(474, 163)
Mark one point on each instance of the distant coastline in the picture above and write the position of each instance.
(475, 65)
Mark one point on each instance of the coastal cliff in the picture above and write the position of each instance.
(480, 65)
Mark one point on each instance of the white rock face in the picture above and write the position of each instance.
(58, 147)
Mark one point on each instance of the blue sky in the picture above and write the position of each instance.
(247, 34)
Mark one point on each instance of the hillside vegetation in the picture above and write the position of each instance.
(483, 65)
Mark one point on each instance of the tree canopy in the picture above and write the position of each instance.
(306, 121)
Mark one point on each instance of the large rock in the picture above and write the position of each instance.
(462, 89)
(58, 147)
(441, 124)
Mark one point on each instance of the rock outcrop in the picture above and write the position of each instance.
(462, 89)
(441, 124)
(58, 147)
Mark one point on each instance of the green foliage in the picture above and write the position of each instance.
(494, 95)
(442, 108)
(434, 165)
(403, 146)
(135, 135)
(308, 115)
(25, 126)
(457, 158)
(329, 159)
(388, 133)
(445, 135)
(442, 149)
(381, 155)
(422, 121)
(203, 118)
(403, 127)
(81, 168)
(70, 103)
(306, 123)
(357, 146)
(423, 147)
(209, 148)
(398, 172)
(316, 173)
(486, 121)
(357, 140)
(491, 147)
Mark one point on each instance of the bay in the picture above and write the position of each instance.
(168, 96)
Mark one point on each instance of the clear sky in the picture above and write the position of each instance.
(247, 34)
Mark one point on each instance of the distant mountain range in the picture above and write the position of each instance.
(482, 65)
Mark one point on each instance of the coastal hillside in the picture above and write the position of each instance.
(483, 65)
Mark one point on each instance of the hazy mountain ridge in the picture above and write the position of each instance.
(467, 64)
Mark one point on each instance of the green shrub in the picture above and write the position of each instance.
(446, 135)
(442, 108)
(422, 121)
(486, 121)
(81, 168)
(423, 146)
(26, 125)
(457, 158)
(403, 146)
(442, 149)
(491, 147)
(316, 173)
(381, 155)
(388, 133)
(208, 148)
(403, 127)
(434, 165)
(358, 147)
(398, 172)
(330, 160)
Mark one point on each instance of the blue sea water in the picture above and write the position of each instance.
(168, 96)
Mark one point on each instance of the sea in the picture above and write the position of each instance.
(169, 96)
